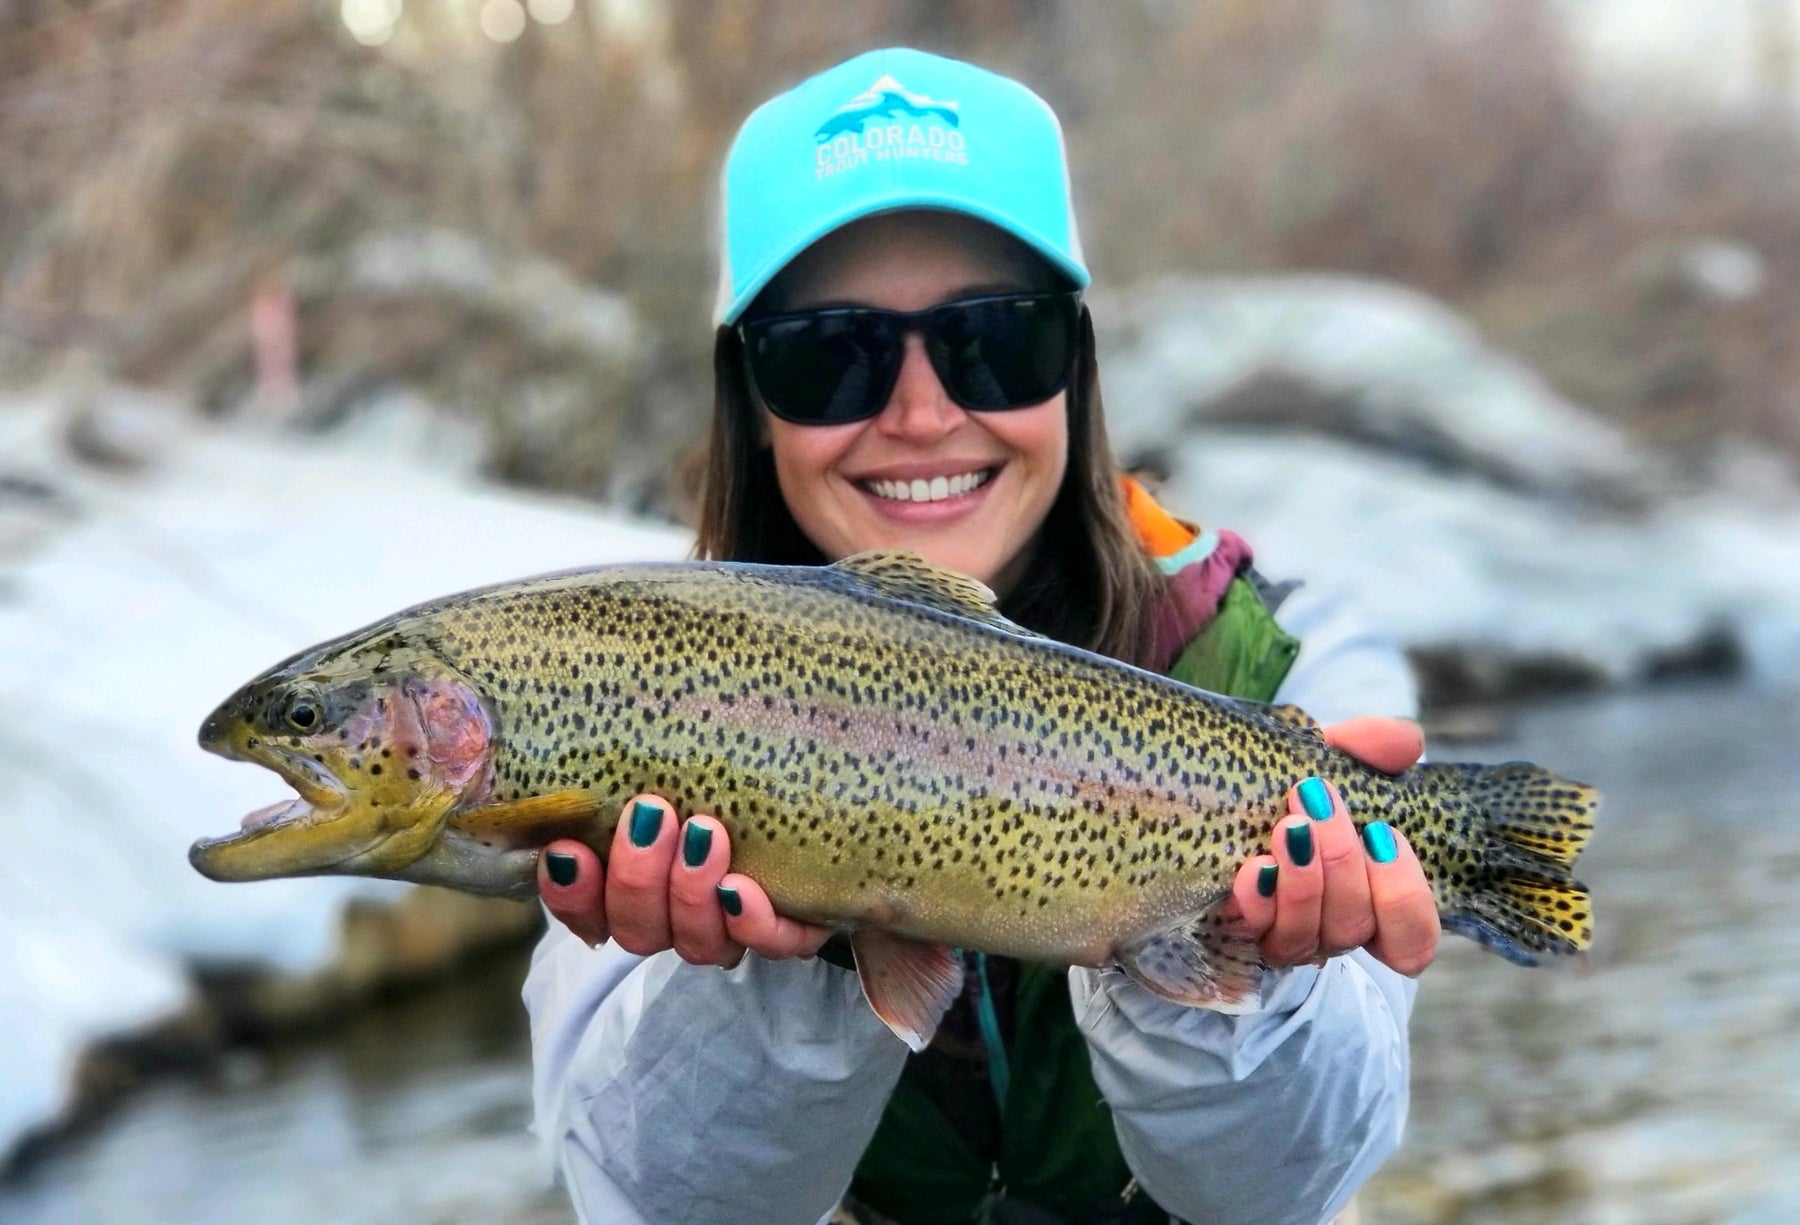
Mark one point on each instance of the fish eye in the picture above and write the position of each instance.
(303, 713)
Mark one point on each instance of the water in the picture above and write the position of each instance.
(414, 1112)
(1658, 1082)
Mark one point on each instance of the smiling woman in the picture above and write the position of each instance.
(903, 362)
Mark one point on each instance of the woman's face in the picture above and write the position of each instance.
(978, 485)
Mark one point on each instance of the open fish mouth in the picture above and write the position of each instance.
(321, 797)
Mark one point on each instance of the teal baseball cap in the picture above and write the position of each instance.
(891, 129)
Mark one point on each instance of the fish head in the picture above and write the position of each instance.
(380, 755)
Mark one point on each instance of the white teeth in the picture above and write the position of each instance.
(935, 490)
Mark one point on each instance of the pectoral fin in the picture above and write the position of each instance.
(536, 819)
(909, 985)
(1197, 963)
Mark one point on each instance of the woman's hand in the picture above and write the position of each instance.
(1323, 890)
(666, 886)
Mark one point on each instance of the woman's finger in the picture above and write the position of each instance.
(696, 919)
(1293, 939)
(1388, 745)
(1251, 910)
(572, 884)
(1406, 916)
(637, 876)
(1346, 920)
(751, 919)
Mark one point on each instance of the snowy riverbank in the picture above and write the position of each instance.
(131, 604)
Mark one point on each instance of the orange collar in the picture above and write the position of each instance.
(1160, 533)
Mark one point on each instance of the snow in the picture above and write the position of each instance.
(1450, 561)
(1382, 361)
(1393, 451)
(148, 599)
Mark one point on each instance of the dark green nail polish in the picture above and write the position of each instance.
(646, 823)
(1265, 879)
(729, 899)
(562, 867)
(695, 844)
(1378, 836)
(1300, 846)
(1315, 797)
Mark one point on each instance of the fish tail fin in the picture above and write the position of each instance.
(1518, 896)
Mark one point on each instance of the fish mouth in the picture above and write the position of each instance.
(321, 798)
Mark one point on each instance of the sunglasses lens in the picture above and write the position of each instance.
(829, 367)
(824, 369)
(1001, 353)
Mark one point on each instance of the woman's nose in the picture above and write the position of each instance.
(919, 408)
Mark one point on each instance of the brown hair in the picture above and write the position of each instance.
(1090, 584)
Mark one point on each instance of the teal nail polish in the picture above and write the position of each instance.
(561, 867)
(729, 899)
(695, 844)
(1265, 879)
(1300, 844)
(1378, 836)
(1315, 797)
(646, 823)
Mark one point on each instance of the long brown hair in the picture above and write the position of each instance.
(1090, 584)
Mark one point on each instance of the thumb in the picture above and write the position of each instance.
(1388, 745)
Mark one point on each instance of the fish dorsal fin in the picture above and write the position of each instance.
(1294, 717)
(910, 985)
(1197, 962)
(903, 575)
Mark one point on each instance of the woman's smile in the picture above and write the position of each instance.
(934, 489)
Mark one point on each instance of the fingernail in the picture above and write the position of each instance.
(562, 867)
(695, 844)
(1265, 879)
(646, 823)
(1300, 848)
(1378, 836)
(729, 899)
(1315, 797)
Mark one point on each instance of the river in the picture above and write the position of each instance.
(1658, 1081)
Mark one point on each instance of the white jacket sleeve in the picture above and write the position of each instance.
(1280, 1115)
(666, 1092)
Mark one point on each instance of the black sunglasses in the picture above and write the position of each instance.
(839, 364)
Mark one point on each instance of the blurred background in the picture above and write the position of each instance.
(1484, 309)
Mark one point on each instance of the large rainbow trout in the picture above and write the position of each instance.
(888, 754)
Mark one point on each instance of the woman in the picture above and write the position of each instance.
(902, 362)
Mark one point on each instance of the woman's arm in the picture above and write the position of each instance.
(668, 1088)
(1277, 1116)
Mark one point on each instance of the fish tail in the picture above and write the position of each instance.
(1509, 886)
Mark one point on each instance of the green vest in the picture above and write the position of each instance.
(1055, 1147)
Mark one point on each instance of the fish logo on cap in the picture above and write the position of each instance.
(906, 125)
(885, 99)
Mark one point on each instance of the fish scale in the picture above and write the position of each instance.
(886, 753)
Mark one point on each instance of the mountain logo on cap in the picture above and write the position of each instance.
(885, 99)
(889, 122)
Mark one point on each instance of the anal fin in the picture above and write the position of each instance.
(1197, 963)
(910, 985)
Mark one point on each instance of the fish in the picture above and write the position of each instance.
(889, 755)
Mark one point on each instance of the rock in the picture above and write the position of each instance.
(1364, 360)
